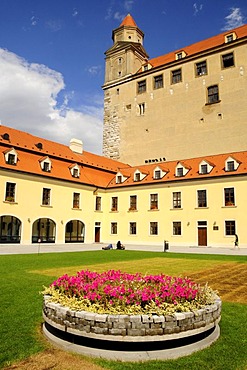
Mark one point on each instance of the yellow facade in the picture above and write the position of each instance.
(28, 208)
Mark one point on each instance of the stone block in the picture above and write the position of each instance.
(136, 332)
(135, 318)
(100, 318)
(169, 318)
(158, 319)
(100, 330)
(147, 318)
(114, 331)
(159, 331)
(199, 324)
(113, 318)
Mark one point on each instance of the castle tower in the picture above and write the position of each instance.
(123, 59)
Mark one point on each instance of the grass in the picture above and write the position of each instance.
(23, 276)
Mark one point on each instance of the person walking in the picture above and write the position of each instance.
(236, 242)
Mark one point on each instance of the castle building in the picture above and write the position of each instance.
(175, 164)
(190, 102)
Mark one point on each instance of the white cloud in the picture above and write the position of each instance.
(118, 16)
(128, 4)
(197, 8)
(75, 12)
(234, 19)
(29, 102)
(54, 25)
(94, 70)
(34, 21)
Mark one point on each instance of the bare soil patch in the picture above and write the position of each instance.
(55, 359)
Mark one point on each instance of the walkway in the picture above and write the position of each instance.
(55, 248)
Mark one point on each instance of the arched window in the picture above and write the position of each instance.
(10, 229)
(75, 232)
(44, 231)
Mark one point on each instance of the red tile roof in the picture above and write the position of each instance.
(199, 47)
(193, 164)
(99, 171)
(128, 21)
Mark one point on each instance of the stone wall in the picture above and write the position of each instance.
(129, 325)
(111, 133)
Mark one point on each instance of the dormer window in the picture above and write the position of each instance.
(75, 171)
(181, 170)
(204, 168)
(158, 173)
(137, 176)
(11, 157)
(45, 164)
(146, 67)
(180, 55)
(230, 37)
(231, 164)
(120, 178)
(46, 167)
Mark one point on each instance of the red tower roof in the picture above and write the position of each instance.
(128, 21)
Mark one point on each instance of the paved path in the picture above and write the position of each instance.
(54, 248)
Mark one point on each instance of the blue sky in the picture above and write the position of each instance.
(52, 55)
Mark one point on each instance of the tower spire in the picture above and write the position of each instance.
(128, 21)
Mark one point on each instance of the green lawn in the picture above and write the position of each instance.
(23, 276)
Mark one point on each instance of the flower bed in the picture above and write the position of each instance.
(116, 292)
(153, 315)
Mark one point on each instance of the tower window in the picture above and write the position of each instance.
(213, 94)
(201, 68)
(227, 60)
(141, 86)
(158, 82)
(141, 109)
(177, 76)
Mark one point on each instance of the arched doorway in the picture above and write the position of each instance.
(10, 229)
(74, 232)
(43, 231)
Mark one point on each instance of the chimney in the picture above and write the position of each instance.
(76, 146)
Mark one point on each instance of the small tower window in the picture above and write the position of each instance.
(141, 109)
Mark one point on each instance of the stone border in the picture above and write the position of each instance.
(131, 333)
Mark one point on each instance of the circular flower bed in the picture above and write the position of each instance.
(116, 292)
